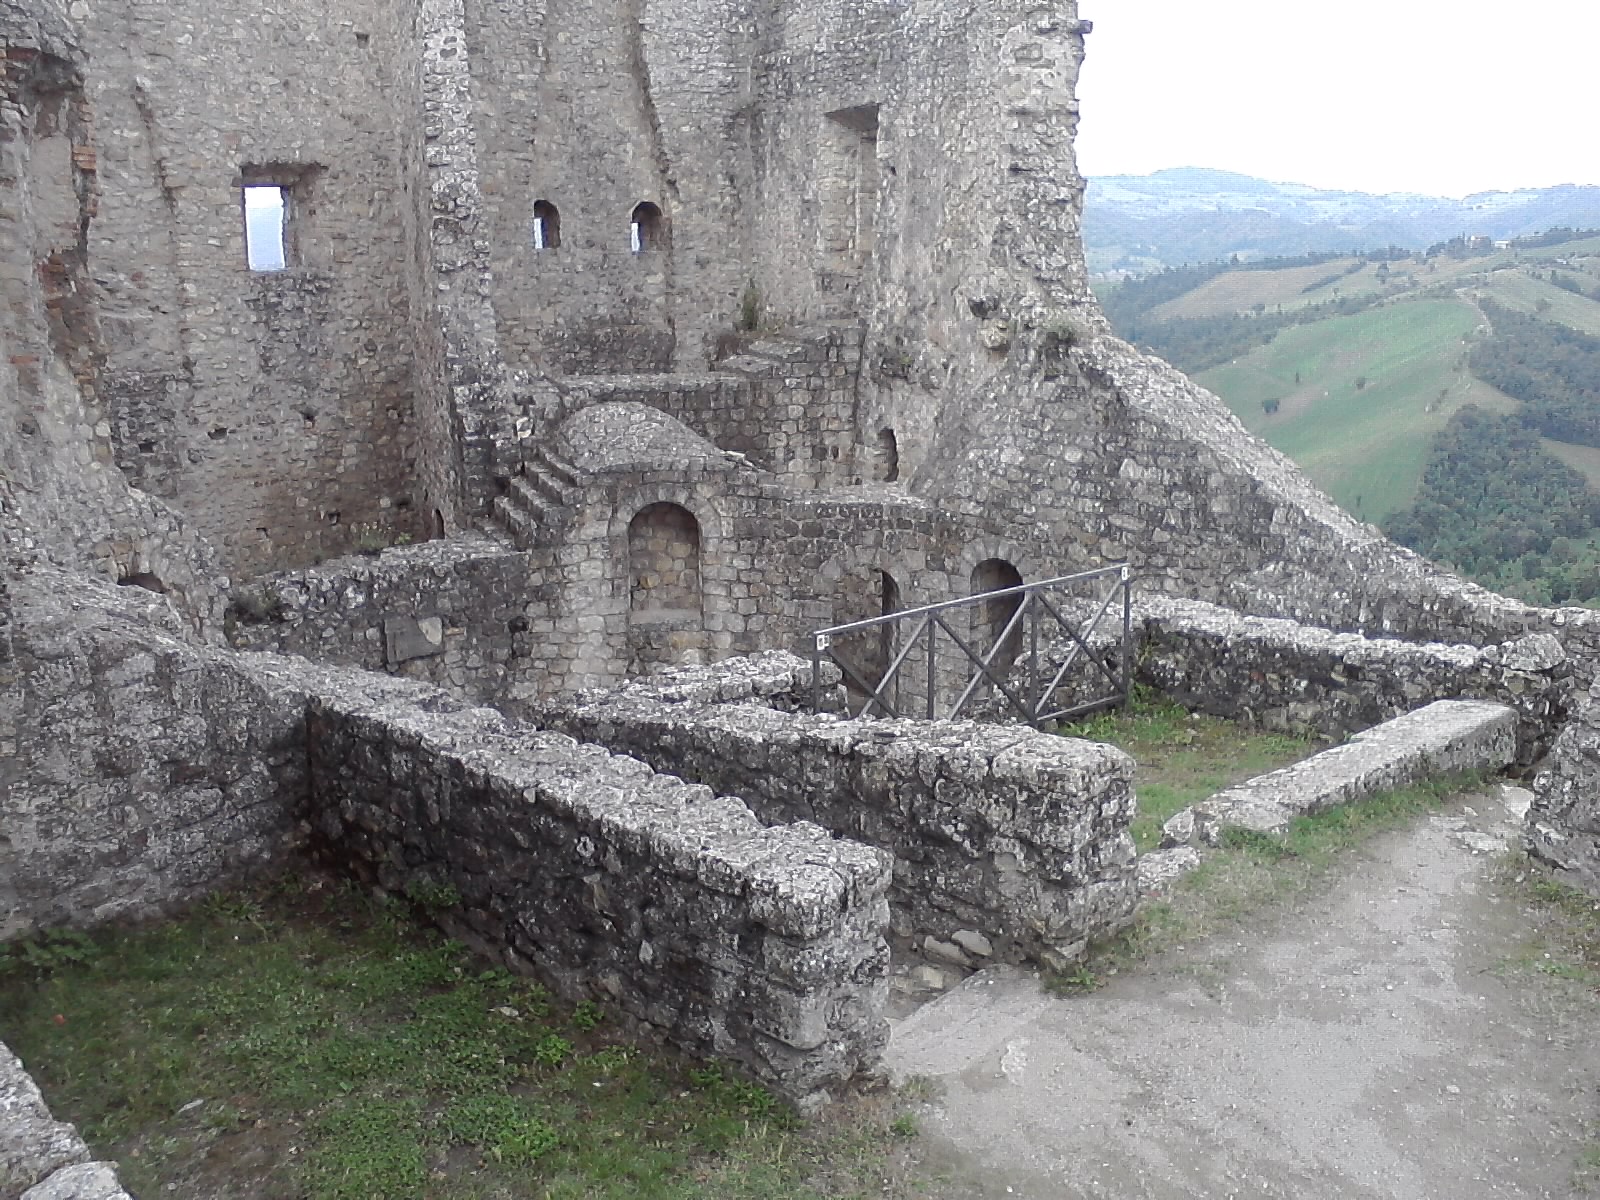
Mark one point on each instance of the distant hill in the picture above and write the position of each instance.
(1453, 397)
(1142, 223)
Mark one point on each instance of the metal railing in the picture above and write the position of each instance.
(1015, 676)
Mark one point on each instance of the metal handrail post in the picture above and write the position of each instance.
(988, 659)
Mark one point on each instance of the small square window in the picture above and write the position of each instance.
(266, 223)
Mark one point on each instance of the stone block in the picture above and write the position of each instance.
(1444, 737)
(408, 638)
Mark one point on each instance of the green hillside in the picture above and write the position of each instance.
(1451, 396)
(1358, 398)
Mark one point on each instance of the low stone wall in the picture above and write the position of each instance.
(1563, 826)
(138, 770)
(762, 945)
(1443, 738)
(451, 612)
(42, 1158)
(1279, 674)
(1013, 839)
(776, 679)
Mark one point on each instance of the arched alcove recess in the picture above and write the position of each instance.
(546, 225)
(647, 228)
(886, 458)
(664, 563)
(989, 620)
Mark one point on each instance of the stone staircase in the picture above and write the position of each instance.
(536, 499)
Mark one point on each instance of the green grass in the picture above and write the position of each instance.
(1182, 758)
(1239, 291)
(1364, 445)
(1584, 459)
(311, 1042)
(1254, 872)
(1519, 290)
(1563, 926)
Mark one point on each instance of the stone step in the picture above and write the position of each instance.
(543, 482)
(776, 349)
(1444, 737)
(524, 527)
(562, 469)
(524, 494)
(750, 365)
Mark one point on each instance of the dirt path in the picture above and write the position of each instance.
(1364, 1046)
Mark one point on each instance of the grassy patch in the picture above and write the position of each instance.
(312, 1042)
(1183, 758)
(1563, 925)
(1251, 872)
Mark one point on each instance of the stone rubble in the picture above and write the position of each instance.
(42, 1158)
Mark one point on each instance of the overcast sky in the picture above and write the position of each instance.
(1444, 97)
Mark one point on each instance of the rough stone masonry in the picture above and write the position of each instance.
(609, 338)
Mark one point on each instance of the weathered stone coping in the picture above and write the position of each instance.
(1564, 820)
(42, 1158)
(1444, 737)
(730, 937)
(1016, 836)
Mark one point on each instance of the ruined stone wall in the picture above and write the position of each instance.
(138, 770)
(787, 403)
(1017, 836)
(817, 163)
(61, 499)
(761, 945)
(1282, 675)
(1563, 824)
(594, 107)
(501, 626)
(453, 613)
(273, 408)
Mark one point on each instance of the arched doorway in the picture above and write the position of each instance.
(861, 596)
(989, 620)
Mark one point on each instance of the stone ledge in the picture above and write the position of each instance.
(1446, 736)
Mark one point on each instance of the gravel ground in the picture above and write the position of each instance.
(1370, 1044)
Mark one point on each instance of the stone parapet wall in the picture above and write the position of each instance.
(732, 939)
(42, 1158)
(1283, 675)
(452, 613)
(1563, 826)
(1010, 833)
(139, 770)
(1447, 737)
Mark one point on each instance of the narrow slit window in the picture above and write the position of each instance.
(647, 229)
(546, 225)
(266, 222)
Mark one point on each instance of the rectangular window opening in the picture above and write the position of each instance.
(266, 223)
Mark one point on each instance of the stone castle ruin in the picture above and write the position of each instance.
(424, 421)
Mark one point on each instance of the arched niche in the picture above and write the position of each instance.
(664, 563)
